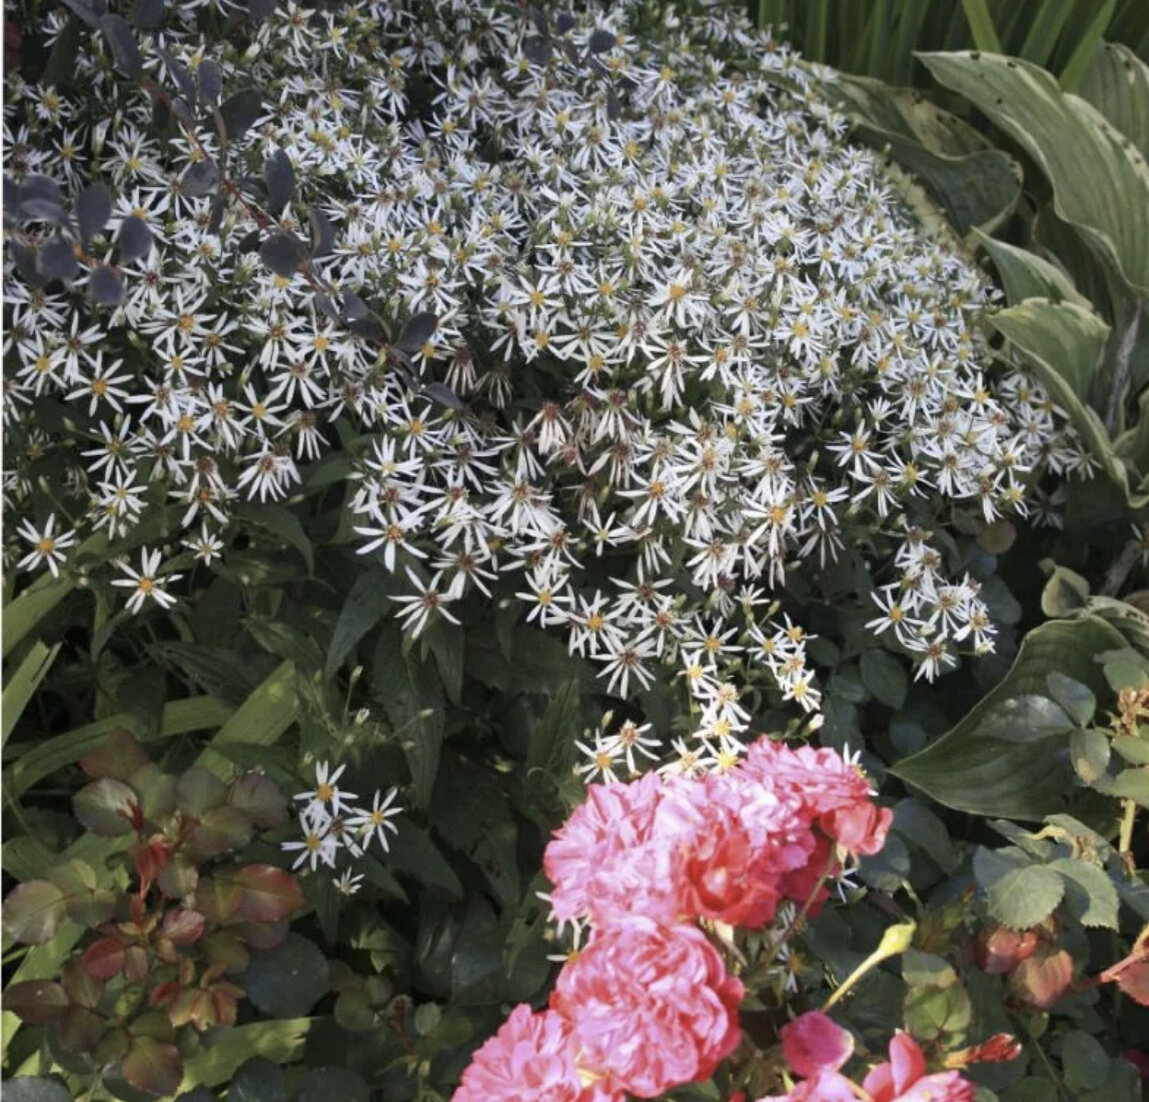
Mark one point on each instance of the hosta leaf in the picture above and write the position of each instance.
(1027, 275)
(1109, 204)
(27, 1088)
(1117, 84)
(1090, 894)
(258, 1080)
(1013, 780)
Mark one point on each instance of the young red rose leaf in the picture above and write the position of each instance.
(270, 894)
(1042, 980)
(33, 911)
(104, 959)
(152, 1065)
(183, 927)
(1134, 981)
(1000, 949)
(149, 860)
(107, 807)
(37, 1002)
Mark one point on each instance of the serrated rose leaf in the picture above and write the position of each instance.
(37, 1002)
(118, 756)
(270, 894)
(105, 958)
(154, 1066)
(106, 807)
(33, 912)
(1134, 981)
(260, 797)
(199, 789)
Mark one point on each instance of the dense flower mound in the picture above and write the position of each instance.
(609, 316)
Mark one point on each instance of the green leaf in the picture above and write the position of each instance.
(323, 1084)
(1130, 784)
(1024, 718)
(20, 686)
(981, 25)
(153, 1066)
(1109, 204)
(976, 185)
(885, 677)
(411, 695)
(259, 720)
(199, 789)
(933, 1013)
(1020, 895)
(287, 981)
(1075, 699)
(364, 607)
(413, 852)
(22, 615)
(258, 1080)
(1026, 275)
(1084, 1061)
(36, 1089)
(1090, 894)
(1012, 780)
(282, 1042)
(282, 522)
(1088, 39)
(1089, 752)
(197, 713)
(1117, 84)
(1065, 594)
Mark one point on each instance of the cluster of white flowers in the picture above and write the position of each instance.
(698, 341)
(331, 822)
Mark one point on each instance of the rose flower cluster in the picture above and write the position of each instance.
(648, 1004)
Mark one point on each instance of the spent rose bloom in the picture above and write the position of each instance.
(903, 1078)
(650, 1006)
(530, 1059)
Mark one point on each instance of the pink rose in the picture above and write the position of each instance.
(904, 1078)
(530, 1059)
(650, 1006)
(609, 860)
